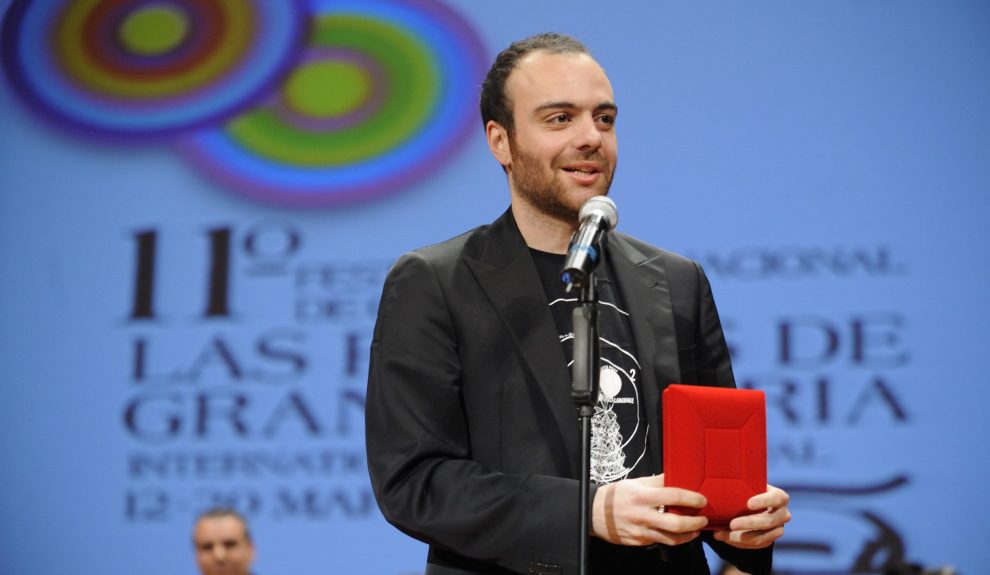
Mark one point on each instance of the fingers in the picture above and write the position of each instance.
(769, 519)
(773, 502)
(666, 528)
(651, 481)
(662, 526)
(759, 529)
(676, 529)
(677, 497)
(772, 498)
(652, 526)
(655, 495)
(750, 539)
(633, 512)
(627, 512)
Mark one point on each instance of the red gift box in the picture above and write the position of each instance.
(715, 443)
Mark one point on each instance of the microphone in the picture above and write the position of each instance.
(598, 217)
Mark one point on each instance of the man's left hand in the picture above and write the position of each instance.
(761, 529)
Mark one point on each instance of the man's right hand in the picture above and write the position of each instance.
(631, 512)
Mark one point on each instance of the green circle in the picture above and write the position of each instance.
(154, 30)
(413, 83)
(327, 89)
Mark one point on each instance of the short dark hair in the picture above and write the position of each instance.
(221, 512)
(495, 104)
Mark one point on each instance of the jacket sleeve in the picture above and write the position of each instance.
(418, 443)
(711, 352)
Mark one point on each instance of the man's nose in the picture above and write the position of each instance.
(219, 553)
(588, 135)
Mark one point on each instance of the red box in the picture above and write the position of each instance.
(715, 442)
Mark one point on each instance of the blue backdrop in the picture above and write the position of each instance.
(192, 246)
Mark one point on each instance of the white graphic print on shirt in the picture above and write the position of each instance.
(612, 455)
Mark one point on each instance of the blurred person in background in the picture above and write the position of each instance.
(222, 541)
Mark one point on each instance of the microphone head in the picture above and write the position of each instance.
(601, 206)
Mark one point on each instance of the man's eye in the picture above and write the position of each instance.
(607, 119)
(560, 118)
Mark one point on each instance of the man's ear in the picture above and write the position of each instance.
(498, 142)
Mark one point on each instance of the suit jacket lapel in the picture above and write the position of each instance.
(504, 268)
(646, 292)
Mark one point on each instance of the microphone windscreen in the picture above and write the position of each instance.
(602, 206)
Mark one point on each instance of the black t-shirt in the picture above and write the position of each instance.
(618, 426)
(619, 417)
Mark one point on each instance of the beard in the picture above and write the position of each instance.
(544, 190)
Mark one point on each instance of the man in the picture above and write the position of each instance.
(223, 543)
(471, 432)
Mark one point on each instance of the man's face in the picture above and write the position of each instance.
(222, 547)
(563, 148)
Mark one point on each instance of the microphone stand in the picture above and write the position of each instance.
(584, 391)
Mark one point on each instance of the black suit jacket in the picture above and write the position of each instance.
(472, 436)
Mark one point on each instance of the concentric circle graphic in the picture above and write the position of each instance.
(147, 68)
(383, 91)
(294, 102)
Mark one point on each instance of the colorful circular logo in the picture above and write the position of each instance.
(139, 69)
(322, 103)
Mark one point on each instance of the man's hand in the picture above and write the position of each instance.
(630, 512)
(762, 529)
